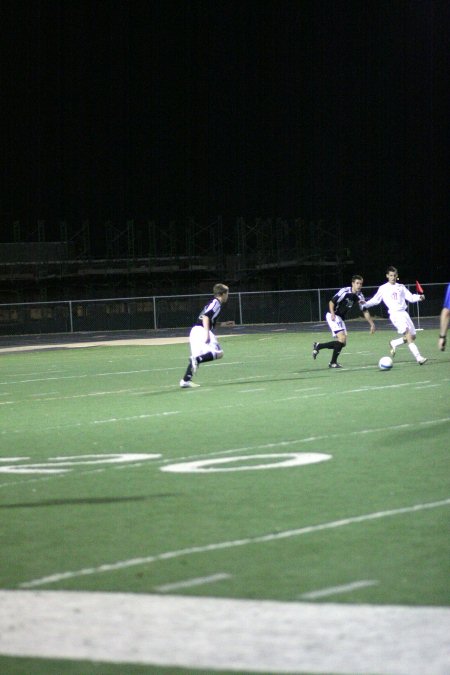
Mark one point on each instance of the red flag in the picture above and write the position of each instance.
(419, 288)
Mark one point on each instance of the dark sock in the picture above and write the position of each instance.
(188, 374)
(337, 348)
(205, 357)
(327, 345)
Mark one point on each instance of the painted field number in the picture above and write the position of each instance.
(65, 464)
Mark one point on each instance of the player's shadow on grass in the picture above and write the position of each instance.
(85, 500)
(234, 383)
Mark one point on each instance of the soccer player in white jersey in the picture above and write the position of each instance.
(394, 296)
(203, 342)
(338, 307)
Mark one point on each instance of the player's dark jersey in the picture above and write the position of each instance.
(212, 310)
(344, 300)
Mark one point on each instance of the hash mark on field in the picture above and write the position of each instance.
(199, 581)
(336, 590)
(134, 417)
(223, 545)
(307, 389)
(229, 363)
(294, 398)
(251, 391)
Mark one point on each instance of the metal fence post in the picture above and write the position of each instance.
(320, 306)
(71, 316)
(240, 309)
(155, 322)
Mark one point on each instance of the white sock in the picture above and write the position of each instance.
(397, 342)
(415, 352)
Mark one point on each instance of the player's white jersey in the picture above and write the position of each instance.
(394, 297)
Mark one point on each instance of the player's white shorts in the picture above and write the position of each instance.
(336, 326)
(403, 322)
(198, 344)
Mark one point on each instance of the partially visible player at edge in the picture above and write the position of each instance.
(443, 321)
(338, 307)
(394, 296)
(203, 342)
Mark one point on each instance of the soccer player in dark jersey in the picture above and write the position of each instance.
(204, 345)
(338, 306)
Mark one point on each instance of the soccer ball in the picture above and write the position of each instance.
(385, 363)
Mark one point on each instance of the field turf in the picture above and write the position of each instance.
(91, 501)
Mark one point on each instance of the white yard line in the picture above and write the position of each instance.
(263, 539)
(360, 390)
(225, 634)
(109, 420)
(189, 583)
(298, 398)
(336, 590)
(84, 376)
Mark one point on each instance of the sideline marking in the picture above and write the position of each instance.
(336, 590)
(225, 634)
(199, 581)
(287, 534)
(204, 465)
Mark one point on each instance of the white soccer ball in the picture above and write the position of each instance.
(385, 363)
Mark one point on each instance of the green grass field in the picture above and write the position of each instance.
(91, 501)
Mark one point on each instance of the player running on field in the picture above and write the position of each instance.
(394, 296)
(204, 345)
(338, 306)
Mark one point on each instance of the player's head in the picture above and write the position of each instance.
(357, 282)
(221, 292)
(392, 274)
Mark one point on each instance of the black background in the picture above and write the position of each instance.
(164, 109)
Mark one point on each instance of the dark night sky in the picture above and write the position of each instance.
(160, 109)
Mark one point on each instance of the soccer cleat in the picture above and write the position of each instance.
(186, 384)
(194, 364)
(391, 348)
(334, 365)
(421, 360)
(315, 350)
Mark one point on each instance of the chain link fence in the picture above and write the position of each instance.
(181, 311)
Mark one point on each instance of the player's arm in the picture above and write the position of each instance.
(443, 327)
(413, 297)
(331, 309)
(207, 326)
(375, 300)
